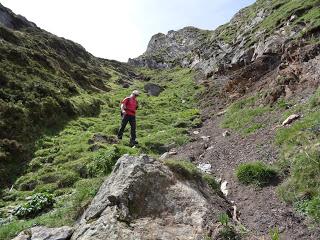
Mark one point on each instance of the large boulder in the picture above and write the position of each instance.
(45, 233)
(153, 89)
(144, 199)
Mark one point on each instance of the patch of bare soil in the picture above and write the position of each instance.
(260, 210)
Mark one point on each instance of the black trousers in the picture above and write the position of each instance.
(132, 120)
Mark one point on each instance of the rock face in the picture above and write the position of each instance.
(144, 199)
(253, 32)
(13, 21)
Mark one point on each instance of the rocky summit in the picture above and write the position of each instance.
(230, 117)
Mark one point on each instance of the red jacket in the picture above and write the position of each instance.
(130, 105)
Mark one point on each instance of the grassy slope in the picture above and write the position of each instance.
(299, 158)
(299, 144)
(280, 11)
(44, 81)
(64, 165)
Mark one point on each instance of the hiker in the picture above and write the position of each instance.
(129, 105)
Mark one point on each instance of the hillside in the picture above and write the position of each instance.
(43, 78)
(230, 168)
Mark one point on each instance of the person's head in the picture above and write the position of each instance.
(135, 93)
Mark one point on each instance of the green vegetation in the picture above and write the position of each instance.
(278, 13)
(300, 158)
(45, 81)
(64, 161)
(256, 173)
(190, 171)
(35, 205)
(228, 232)
(243, 116)
(67, 209)
(184, 168)
(274, 234)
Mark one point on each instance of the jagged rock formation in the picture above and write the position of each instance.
(263, 28)
(143, 199)
(13, 21)
(269, 47)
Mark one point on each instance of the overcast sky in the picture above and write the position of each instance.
(119, 29)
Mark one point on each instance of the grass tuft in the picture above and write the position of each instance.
(256, 173)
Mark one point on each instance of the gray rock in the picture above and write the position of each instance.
(226, 133)
(144, 199)
(205, 167)
(101, 138)
(153, 89)
(45, 233)
(164, 156)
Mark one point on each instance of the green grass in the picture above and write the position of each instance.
(256, 173)
(300, 157)
(189, 171)
(278, 13)
(64, 165)
(243, 116)
(184, 168)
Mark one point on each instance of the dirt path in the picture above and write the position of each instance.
(260, 209)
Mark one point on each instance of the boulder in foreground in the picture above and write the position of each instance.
(144, 199)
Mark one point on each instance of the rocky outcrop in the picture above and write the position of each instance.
(252, 33)
(172, 49)
(13, 21)
(144, 199)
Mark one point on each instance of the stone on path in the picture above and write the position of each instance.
(290, 119)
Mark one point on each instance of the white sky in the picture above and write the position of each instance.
(122, 29)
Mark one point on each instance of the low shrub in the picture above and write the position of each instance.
(103, 162)
(256, 173)
(35, 205)
(227, 232)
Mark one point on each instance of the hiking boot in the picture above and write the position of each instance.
(133, 143)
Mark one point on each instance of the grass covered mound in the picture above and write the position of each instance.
(256, 173)
(70, 164)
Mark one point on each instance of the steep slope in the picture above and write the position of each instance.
(41, 79)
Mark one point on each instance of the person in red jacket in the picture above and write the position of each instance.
(129, 105)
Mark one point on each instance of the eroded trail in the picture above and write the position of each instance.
(259, 209)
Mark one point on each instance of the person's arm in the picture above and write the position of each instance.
(123, 108)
